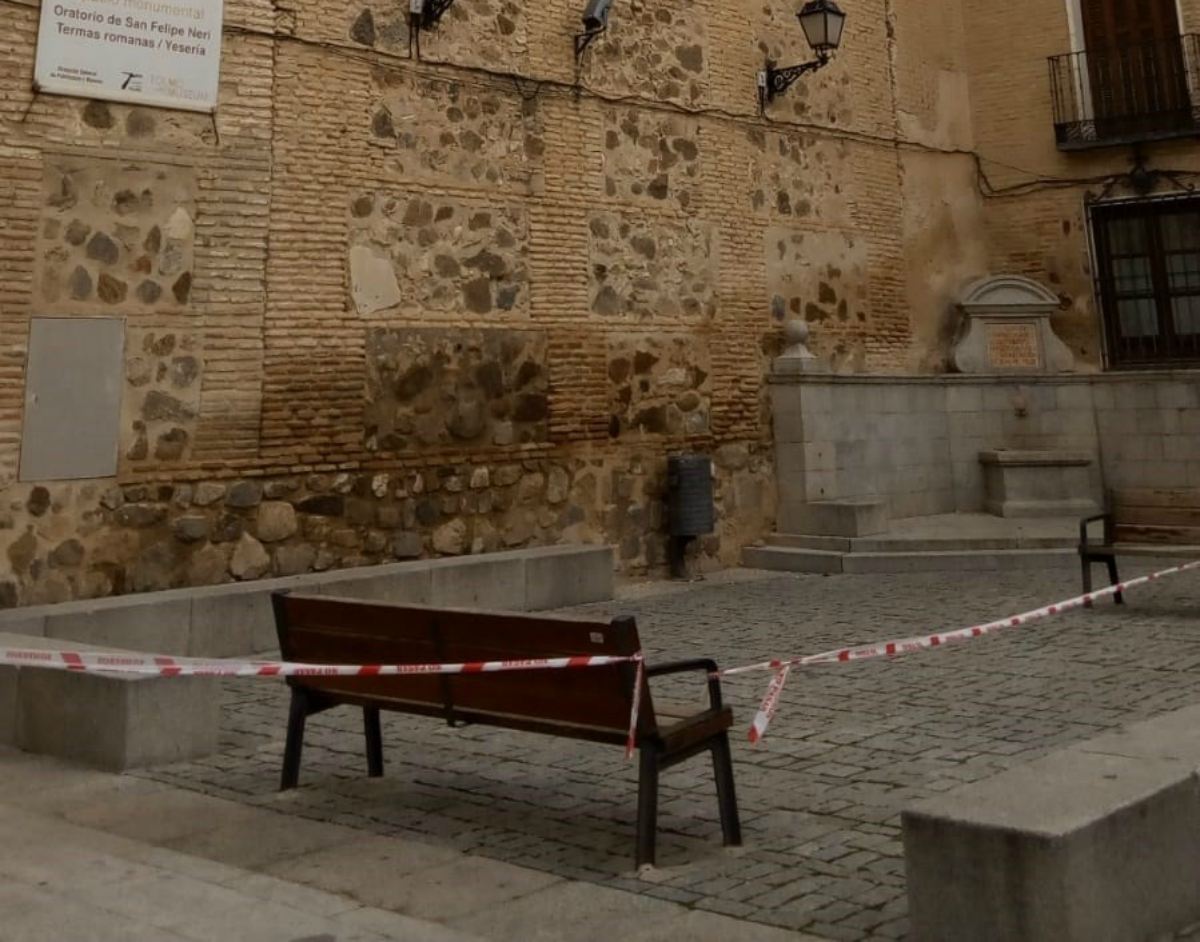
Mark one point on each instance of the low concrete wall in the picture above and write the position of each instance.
(236, 619)
(915, 441)
(1096, 843)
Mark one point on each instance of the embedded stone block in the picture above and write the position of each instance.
(817, 276)
(455, 387)
(446, 256)
(646, 268)
(458, 131)
(651, 157)
(796, 177)
(161, 404)
(116, 236)
(659, 386)
(1037, 483)
(656, 50)
(481, 33)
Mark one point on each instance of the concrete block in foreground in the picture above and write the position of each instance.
(1096, 843)
(110, 721)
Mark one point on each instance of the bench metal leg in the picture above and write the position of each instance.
(647, 826)
(731, 826)
(297, 714)
(1086, 561)
(374, 742)
(1115, 579)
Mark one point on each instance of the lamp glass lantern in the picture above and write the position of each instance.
(822, 22)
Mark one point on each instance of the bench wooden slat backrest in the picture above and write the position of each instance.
(1170, 516)
(594, 703)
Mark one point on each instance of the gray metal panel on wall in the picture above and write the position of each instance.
(72, 398)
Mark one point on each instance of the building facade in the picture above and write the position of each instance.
(412, 292)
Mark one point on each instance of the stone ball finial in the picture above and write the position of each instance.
(796, 333)
(796, 357)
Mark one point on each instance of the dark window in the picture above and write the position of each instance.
(1148, 272)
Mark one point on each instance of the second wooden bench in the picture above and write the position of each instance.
(1141, 522)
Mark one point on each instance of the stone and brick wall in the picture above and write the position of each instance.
(384, 304)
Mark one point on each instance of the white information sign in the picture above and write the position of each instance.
(153, 52)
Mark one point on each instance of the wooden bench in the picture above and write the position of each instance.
(589, 703)
(1141, 522)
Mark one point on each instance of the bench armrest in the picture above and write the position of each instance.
(1088, 521)
(707, 665)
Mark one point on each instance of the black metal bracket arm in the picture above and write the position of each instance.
(432, 12)
(773, 82)
(585, 39)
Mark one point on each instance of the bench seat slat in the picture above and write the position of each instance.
(1182, 516)
(1128, 533)
(1164, 497)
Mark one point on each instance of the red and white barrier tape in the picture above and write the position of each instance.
(162, 666)
(770, 703)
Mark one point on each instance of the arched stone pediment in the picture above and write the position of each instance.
(1002, 293)
(1007, 328)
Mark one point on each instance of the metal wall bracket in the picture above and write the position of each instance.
(583, 40)
(432, 11)
(773, 82)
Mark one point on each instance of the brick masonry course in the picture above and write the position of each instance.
(820, 800)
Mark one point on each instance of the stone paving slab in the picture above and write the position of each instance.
(63, 881)
(852, 745)
(157, 862)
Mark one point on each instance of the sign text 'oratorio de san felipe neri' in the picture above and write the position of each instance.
(151, 52)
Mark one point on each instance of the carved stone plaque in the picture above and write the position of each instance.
(1013, 347)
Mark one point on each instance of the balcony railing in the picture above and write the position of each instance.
(1124, 96)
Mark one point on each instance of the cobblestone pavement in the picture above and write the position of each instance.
(820, 800)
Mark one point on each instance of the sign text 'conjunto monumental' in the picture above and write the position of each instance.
(152, 52)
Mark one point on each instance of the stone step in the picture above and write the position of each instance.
(785, 559)
(830, 544)
(965, 544)
(110, 721)
(895, 544)
(961, 561)
(792, 559)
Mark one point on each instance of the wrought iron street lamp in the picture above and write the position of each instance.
(822, 22)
